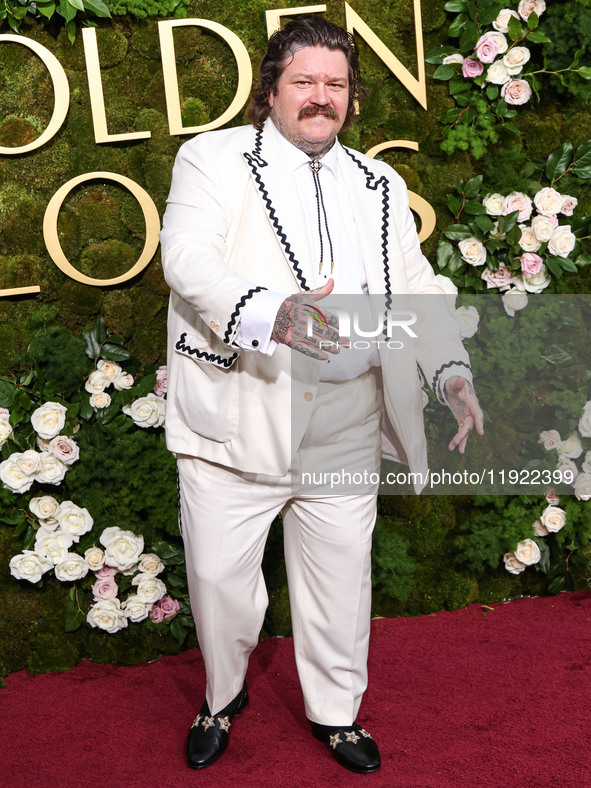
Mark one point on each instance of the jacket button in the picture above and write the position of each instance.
(255, 342)
(308, 396)
(212, 323)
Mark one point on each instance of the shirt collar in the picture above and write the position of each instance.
(296, 158)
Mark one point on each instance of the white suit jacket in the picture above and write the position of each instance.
(233, 227)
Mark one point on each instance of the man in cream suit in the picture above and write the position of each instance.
(262, 223)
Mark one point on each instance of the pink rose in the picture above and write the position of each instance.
(105, 588)
(568, 205)
(551, 497)
(161, 381)
(472, 67)
(516, 91)
(65, 449)
(526, 7)
(157, 614)
(486, 49)
(169, 606)
(502, 279)
(531, 263)
(518, 201)
(106, 573)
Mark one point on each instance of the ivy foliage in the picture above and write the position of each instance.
(69, 12)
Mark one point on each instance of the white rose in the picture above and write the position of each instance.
(123, 548)
(586, 466)
(501, 23)
(548, 201)
(525, 8)
(543, 228)
(100, 400)
(497, 73)
(515, 59)
(74, 567)
(457, 57)
(537, 282)
(95, 558)
(562, 242)
(553, 518)
(584, 422)
(494, 204)
(64, 448)
(582, 486)
(528, 552)
(53, 545)
(49, 419)
(109, 369)
(51, 470)
(13, 477)
(550, 439)
(472, 251)
(123, 381)
(149, 411)
(567, 469)
(149, 589)
(135, 608)
(512, 564)
(28, 462)
(529, 242)
(96, 382)
(568, 205)
(5, 428)
(74, 519)
(516, 92)
(540, 529)
(107, 615)
(498, 36)
(42, 444)
(514, 300)
(572, 446)
(467, 318)
(446, 285)
(44, 507)
(518, 201)
(29, 566)
(150, 564)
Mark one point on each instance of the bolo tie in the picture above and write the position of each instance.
(315, 165)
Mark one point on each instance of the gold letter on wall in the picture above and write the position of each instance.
(274, 17)
(52, 240)
(61, 92)
(417, 87)
(97, 99)
(171, 83)
(418, 204)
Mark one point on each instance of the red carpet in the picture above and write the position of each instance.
(472, 698)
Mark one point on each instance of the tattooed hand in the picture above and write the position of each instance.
(291, 324)
(463, 403)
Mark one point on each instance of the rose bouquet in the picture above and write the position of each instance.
(518, 243)
(489, 72)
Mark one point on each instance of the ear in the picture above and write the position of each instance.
(271, 98)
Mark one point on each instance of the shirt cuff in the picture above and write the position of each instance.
(257, 318)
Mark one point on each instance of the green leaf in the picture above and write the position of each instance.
(583, 260)
(487, 15)
(568, 264)
(178, 631)
(582, 172)
(456, 27)
(71, 31)
(454, 204)
(556, 586)
(507, 222)
(77, 4)
(74, 617)
(501, 108)
(445, 72)
(582, 157)
(97, 7)
(474, 208)
(46, 9)
(436, 56)
(554, 267)
(484, 223)
(511, 127)
(473, 186)
(458, 86)
(538, 38)
(585, 72)
(456, 263)
(444, 253)
(451, 116)
(8, 392)
(457, 232)
(66, 10)
(112, 352)
(532, 21)
(515, 29)
(468, 38)
(492, 92)
(456, 6)
(559, 160)
(513, 235)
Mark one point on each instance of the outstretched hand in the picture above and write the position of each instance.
(296, 313)
(464, 404)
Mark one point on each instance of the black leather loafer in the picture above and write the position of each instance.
(351, 746)
(209, 734)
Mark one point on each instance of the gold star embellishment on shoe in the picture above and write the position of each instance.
(196, 721)
(351, 736)
(208, 722)
(224, 723)
(365, 733)
(334, 740)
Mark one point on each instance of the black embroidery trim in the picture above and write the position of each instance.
(236, 312)
(254, 159)
(446, 366)
(203, 355)
(178, 500)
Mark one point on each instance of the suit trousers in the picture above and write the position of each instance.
(225, 518)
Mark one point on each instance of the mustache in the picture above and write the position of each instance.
(314, 110)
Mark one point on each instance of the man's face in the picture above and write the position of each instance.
(312, 97)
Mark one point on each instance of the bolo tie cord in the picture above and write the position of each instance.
(315, 166)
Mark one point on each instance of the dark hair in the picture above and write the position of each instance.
(307, 30)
